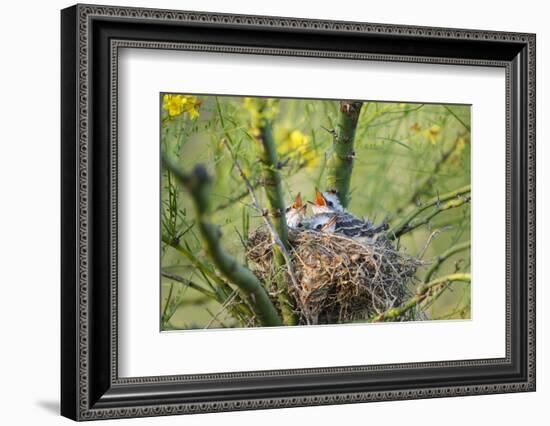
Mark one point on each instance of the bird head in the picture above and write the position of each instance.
(296, 212)
(326, 202)
(324, 223)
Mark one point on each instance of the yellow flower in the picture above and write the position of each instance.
(296, 145)
(460, 145)
(432, 133)
(193, 113)
(173, 104)
(291, 141)
(459, 148)
(178, 104)
(297, 139)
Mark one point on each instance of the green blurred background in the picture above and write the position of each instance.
(405, 153)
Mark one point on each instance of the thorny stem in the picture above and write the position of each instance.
(452, 199)
(422, 292)
(188, 283)
(198, 185)
(286, 304)
(272, 180)
(340, 163)
(444, 256)
(223, 288)
(272, 183)
(452, 204)
(428, 182)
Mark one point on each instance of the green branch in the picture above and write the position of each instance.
(428, 182)
(441, 203)
(282, 258)
(422, 292)
(223, 289)
(452, 204)
(274, 192)
(188, 283)
(340, 163)
(444, 256)
(467, 127)
(272, 180)
(198, 185)
(262, 112)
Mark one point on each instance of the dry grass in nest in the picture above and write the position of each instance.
(340, 280)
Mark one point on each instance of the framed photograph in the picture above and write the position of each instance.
(263, 212)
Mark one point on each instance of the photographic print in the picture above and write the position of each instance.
(310, 212)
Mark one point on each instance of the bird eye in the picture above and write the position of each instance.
(300, 225)
(318, 226)
(330, 203)
(287, 209)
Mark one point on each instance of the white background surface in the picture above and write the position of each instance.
(140, 343)
(29, 225)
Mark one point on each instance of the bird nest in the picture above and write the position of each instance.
(337, 279)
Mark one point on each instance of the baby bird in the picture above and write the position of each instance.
(327, 203)
(324, 222)
(296, 213)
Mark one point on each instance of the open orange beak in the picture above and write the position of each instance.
(319, 199)
(298, 204)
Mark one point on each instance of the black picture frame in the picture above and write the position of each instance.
(90, 386)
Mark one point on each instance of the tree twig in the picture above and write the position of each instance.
(188, 283)
(444, 256)
(457, 118)
(267, 220)
(224, 306)
(433, 235)
(198, 184)
(452, 204)
(223, 288)
(422, 292)
(451, 200)
(428, 182)
(287, 305)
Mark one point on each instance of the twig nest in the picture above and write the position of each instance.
(340, 279)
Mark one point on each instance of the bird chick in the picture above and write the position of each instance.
(346, 223)
(326, 202)
(324, 222)
(296, 212)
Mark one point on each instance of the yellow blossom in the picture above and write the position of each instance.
(432, 133)
(173, 104)
(291, 141)
(178, 104)
(459, 148)
(460, 145)
(296, 144)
